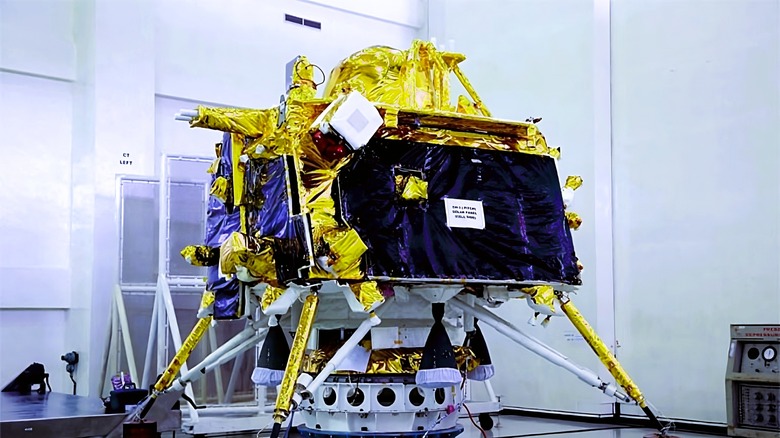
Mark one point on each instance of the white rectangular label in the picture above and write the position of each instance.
(464, 213)
(398, 337)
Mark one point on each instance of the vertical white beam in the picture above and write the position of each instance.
(162, 274)
(112, 365)
(211, 334)
(150, 342)
(113, 118)
(602, 118)
(119, 302)
(162, 330)
(173, 325)
(106, 370)
(79, 335)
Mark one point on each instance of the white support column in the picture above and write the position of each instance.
(112, 365)
(150, 342)
(602, 132)
(106, 367)
(162, 332)
(238, 362)
(119, 304)
(535, 346)
(212, 335)
(173, 325)
(113, 120)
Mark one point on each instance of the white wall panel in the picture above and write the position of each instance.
(35, 203)
(29, 336)
(410, 13)
(36, 36)
(236, 51)
(535, 58)
(174, 137)
(696, 107)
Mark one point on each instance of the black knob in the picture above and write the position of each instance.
(759, 418)
(759, 407)
(772, 419)
(759, 396)
(771, 396)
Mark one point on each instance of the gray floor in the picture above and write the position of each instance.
(83, 416)
(511, 426)
(515, 427)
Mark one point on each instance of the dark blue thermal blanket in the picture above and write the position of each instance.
(221, 219)
(525, 235)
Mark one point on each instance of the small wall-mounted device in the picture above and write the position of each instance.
(753, 381)
(71, 358)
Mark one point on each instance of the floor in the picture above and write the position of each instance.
(23, 413)
(517, 427)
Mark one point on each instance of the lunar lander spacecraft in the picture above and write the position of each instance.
(374, 225)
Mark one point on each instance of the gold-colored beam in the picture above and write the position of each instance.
(602, 351)
(181, 356)
(287, 390)
(470, 89)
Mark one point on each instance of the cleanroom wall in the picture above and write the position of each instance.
(37, 69)
(235, 52)
(35, 217)
(535, 59)
(695, 177)
(89, 81)
(696, 149)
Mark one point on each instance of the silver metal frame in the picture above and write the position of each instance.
(121, 180)
(164, 321)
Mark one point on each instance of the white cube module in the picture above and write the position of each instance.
(356, 120)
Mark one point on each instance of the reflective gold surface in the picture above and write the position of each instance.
(297, 351)
(411, 188)
(390, 361)
(602, 351)
(573, 219)
(542, 295)
(368, 294)
(270, 295)
(200, 255)
(256, 255)
(573, 182)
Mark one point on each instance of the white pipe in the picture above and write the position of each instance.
(249, 343)
(233, 410)
(282, 304)
(535, 346)
(113, 362)
(162, 235)
(342, 353)
(211, 334)
(162, 333)
(140, 288)
(182, 118)
(238, 362)
(128, 343)
(106, 355)
(215, 359)
(491, 393)
(162, 255)
(150, 348)
(224, 348)
(173, 326)
(189, 112)
(185, 282)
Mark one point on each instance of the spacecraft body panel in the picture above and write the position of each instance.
(388, 197)
(486, 214)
